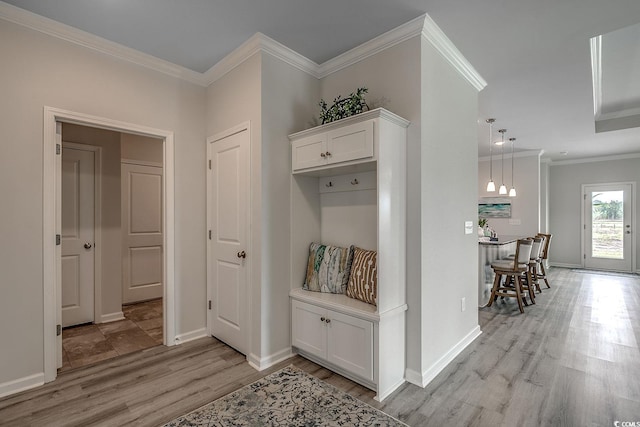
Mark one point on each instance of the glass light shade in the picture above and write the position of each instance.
(503, 189)
(491, 186)
(512, 192)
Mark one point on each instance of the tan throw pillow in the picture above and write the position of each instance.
(363, 281)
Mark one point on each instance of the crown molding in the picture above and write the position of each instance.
(82, 38)
(373, 46)
(595, 159)
(450, 52)
(259, 43)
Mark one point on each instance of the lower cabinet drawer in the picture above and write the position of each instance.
(342, 340)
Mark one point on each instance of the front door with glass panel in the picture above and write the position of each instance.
(607, 227)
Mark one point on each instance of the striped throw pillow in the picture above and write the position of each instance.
(363, 281)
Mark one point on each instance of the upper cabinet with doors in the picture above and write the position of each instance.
(333, 145)
(348, 187)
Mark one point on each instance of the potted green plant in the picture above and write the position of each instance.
(341, 108)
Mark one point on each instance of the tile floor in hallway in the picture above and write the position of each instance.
(87, 344)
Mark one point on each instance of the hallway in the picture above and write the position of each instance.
(88, 344)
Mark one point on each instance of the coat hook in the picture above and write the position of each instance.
(355, 182)
(330, 184)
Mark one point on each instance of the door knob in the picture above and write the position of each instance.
(87, 245)
(628, 231)
(242, 254)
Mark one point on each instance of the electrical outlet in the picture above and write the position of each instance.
(463, 304)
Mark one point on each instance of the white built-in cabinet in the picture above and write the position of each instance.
(348, 186)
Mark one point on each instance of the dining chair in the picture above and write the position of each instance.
(514, 272)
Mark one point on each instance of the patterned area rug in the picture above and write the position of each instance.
(289, 397)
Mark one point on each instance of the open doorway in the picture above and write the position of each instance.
(112, 244)
(52, 228)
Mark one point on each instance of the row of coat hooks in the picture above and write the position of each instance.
(353, 182)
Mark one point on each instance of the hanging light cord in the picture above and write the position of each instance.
(502, 153)
(490, 149)
(512, 141)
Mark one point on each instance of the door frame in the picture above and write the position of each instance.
(632, 203)
(97, 220)
(51, 223)
(244, 126)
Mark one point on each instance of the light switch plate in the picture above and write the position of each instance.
(468, 227)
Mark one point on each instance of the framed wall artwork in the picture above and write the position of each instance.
(494, 207)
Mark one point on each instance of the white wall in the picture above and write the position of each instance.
(141, 148)
(565, 204)
(394, 74)
(289, 98)
(449, 161)
(349, 218)
(526, 206)
(111, 280)
(44, 71)
(544, 196)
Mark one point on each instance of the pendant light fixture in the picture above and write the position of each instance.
(491, 186)
(512, 192)
(503, 188)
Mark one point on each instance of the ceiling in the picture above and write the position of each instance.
(534, 55)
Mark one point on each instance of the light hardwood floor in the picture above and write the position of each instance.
(570, 360)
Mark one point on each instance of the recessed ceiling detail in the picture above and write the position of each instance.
(615, 59)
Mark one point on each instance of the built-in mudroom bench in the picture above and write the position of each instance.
(348, 188)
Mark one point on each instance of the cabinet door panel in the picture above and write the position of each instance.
(309, 332)
(351, 142)
(309, 152)
(350, 344)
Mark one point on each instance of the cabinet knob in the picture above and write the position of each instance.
(323, 155)
(322, 319)
(242, 254)
(327, 153)
(328, 320)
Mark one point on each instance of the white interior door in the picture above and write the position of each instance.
(142, 236)
(228, 201)
(608, 227)
(78, 213)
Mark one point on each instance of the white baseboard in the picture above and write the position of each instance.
(565, 265)
(383, 394)
(21, 384)
(190, 336)
(413, 377)
(260, 364)
(429, 374)
(111, 317)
